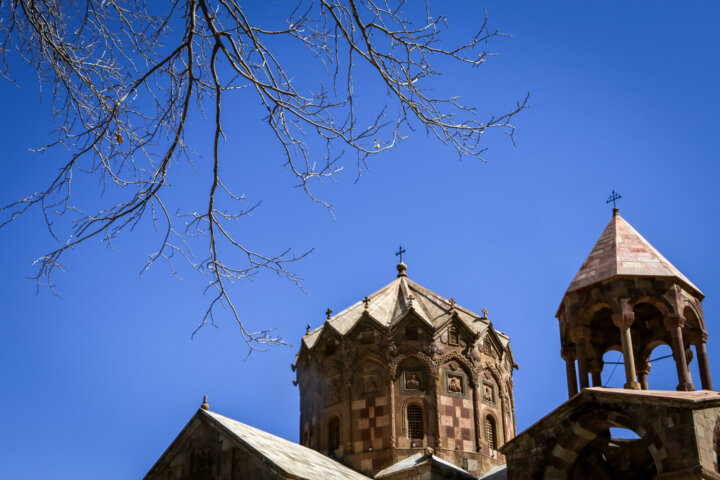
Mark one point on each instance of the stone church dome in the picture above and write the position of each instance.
(401, 371)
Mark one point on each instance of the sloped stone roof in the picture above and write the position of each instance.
(292, 459)
(295, 460)
(622, 251)
(391, 303)
(418, 460)
(496, 473)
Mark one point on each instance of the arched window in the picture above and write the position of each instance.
(491, 432)
(334, 434)
(415, 421)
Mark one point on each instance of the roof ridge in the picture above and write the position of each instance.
(390, 304)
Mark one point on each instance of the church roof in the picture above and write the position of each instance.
(418, 460)
(622, 251)
(294, 460)
(496, 473)
(390, 305)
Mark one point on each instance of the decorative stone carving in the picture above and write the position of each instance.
(390, 348)
(431, 364)
(369, 383)
(487, 346)
(414, 380)
(488, 392)
(455, 384)
(429, 349)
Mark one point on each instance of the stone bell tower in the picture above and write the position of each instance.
(628, 297)
(403, 378)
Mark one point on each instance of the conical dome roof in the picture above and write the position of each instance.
(622, 251)
(390, 304)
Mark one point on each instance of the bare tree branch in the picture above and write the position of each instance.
(123, 78)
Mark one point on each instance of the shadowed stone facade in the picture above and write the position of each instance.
(403, 370)
(675, 430)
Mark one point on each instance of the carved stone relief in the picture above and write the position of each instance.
(488, 392)
(455, 384)
(413, 380)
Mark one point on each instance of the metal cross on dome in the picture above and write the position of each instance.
(614, 196)
(400, 253)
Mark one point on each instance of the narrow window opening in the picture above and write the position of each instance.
(453, 337)
(491, 432)
(334, 434)
(415, 421)
(411, 332)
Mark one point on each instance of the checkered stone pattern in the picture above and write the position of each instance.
(456, 423)
(373, 416)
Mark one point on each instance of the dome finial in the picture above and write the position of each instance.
(205, 405)
(401, 267)
(614, 197)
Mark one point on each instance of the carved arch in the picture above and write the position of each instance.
(595, 307)
(696, 311)
(583, 426)
(496, 374)
(663, 306)
(647, 351)
(371, 357)
(431, 365)
(463, 361)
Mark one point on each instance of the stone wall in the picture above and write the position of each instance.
(369, 377)
(676, 433)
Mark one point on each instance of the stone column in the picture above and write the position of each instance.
(704, 365)
(580, 335)
(571, 376)
(642, 376)
(674, 324)
(623, 322)
(393, 416)
(477, 404)
(348, 441)
(438, 389)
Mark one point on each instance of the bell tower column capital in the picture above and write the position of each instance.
(673, 321)
(579, 333)
(623, 320)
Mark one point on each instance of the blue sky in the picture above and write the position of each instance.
(624, 96)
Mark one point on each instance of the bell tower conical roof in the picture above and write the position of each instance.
(622, 251)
